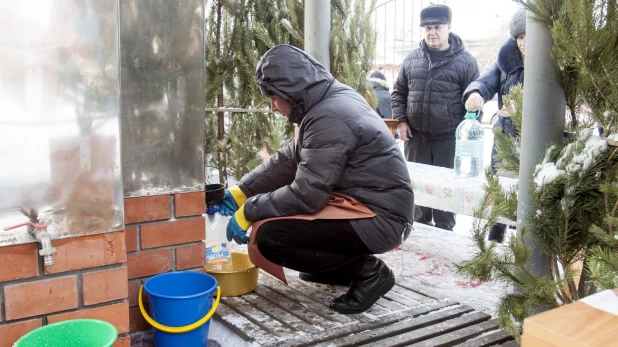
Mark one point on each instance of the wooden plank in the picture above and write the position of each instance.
(394, 329)
(281, 315)
(434, 330)
(512, 343)
(328, 336)
(404, 300)
(294, 308)
(242, 326)
(411, 294)
(487, 340)
(389, 305)
(459, 336)
(415, 286)
(307, 302)
(325, 293)
(260, 318)
(384, 306)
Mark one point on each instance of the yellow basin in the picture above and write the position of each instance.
(241, 279)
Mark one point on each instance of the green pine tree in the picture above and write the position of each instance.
(352, 45)
(575, 192)
(238, 33)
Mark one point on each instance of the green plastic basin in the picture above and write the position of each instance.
(71, 333)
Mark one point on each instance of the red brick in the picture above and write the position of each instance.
(131, 237)
(172, 232)
(133, 290)
(10, 333)
(117, 315)
(40, 297)
(20, 261)
(137, 321)
(149, 263)
(190, 256)
(123, 341)
(189, 204)
(103, 286)
(87, 252)
(147, 208)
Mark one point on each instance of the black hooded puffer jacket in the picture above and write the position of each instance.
(428, 96)
(343, 146)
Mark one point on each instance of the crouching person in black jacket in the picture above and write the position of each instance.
(327, 202)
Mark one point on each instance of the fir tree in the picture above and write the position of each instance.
(352, 45)
(575, 191)
(238, 33)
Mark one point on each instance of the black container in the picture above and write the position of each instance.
(214, 194)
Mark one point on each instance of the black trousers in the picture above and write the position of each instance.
(318, 246)
(437, 153)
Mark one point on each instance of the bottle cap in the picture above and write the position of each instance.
(472, 114)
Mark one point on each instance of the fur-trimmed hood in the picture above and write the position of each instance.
(381, 82)
(509, 57)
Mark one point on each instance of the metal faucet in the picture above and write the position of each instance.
(39, 232)
(46, 251)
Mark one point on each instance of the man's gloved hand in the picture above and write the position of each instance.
(232, 198)
(237, 227)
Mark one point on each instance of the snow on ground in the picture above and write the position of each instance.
(428, 256)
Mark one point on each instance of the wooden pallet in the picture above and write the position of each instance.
(410, 314)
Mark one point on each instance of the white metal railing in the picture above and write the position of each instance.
(237, 110)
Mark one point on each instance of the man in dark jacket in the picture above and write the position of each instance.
(507, 72)
(343, 147)
(380, 86)
(427, 99)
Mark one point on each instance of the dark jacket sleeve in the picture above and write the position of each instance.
(487, 85)
(400, 92)
(326, 145)
(274, 173)
(384, 108)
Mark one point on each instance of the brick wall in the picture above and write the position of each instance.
(164, 233)
(98, 276)
(88, 280)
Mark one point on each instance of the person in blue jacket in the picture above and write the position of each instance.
(507, 72)
(380, 86)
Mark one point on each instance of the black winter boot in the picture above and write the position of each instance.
(373, 281)
(333, 278)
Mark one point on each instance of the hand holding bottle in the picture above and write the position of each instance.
(474, 102)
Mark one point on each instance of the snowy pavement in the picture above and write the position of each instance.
(428, 256)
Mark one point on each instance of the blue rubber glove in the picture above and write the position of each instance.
(227, 206)
(235, 232)
(232, 198)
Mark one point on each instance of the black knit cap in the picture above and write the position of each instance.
(377, 74)
(436, 14)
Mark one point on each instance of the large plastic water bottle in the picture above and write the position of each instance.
(469, 147)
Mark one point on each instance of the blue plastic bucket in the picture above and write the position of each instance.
(181, 306)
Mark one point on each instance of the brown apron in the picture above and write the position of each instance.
(339, 206)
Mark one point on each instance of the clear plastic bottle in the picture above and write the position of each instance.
(469, 147)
